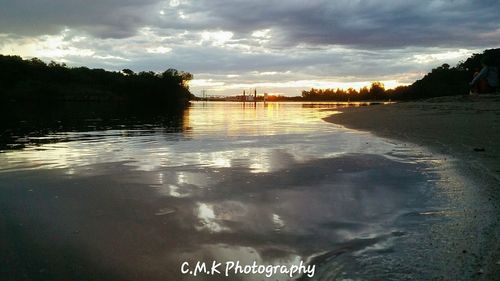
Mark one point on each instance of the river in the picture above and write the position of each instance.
(96, 196)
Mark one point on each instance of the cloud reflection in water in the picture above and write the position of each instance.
(273, 183)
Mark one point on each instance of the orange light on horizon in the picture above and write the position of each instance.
(287, 88)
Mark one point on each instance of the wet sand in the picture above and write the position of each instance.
(465, 132)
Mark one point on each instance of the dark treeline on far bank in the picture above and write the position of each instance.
(441, 81)
(35, 80)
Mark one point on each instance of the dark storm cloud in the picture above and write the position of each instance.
(366, 23)
(104, 18)
(360, 23)
(378, 23)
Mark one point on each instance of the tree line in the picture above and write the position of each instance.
(441, 81)
(33, 79)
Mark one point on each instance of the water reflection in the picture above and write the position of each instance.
(217, 134)
(272, 184)
(25, 125)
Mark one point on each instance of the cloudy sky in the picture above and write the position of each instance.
(276, 46)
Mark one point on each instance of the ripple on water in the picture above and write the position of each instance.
(274, 184)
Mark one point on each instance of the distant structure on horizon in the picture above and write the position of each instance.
(244, 97)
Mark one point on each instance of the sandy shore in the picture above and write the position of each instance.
(466, 132)
(465, 127)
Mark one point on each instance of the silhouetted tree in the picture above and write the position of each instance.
(127, 71)
(443, 80)
(377, 90)
(33, 79)
(364, 91)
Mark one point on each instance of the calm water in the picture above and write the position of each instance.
(131, 197)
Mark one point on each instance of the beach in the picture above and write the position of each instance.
(463, 133)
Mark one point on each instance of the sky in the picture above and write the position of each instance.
(275, 46)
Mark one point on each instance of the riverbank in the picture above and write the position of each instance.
(466, 131)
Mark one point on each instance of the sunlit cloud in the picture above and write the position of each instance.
(205, 83)
(174, 3)
(448, 55)
(216, 38)
(46, 46)
(264, 33)
(159, 50)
